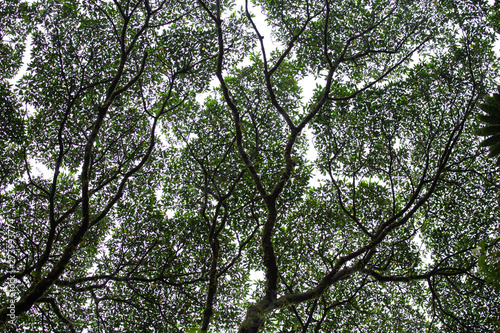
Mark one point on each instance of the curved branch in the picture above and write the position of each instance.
(58, 313)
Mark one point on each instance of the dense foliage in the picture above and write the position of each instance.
(156, 170)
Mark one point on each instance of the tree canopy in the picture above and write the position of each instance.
(156, 171)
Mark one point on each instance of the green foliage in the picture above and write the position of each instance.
(161, 170)
(491, 106)
(489, 264)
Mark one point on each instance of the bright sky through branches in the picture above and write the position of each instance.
(222, 225)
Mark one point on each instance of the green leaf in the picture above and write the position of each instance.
(489, 120)
(488, 130)
(490, 141)
(494, 150)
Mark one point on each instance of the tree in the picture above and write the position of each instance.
(489, 261)
(163, 196)
(13, 33)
